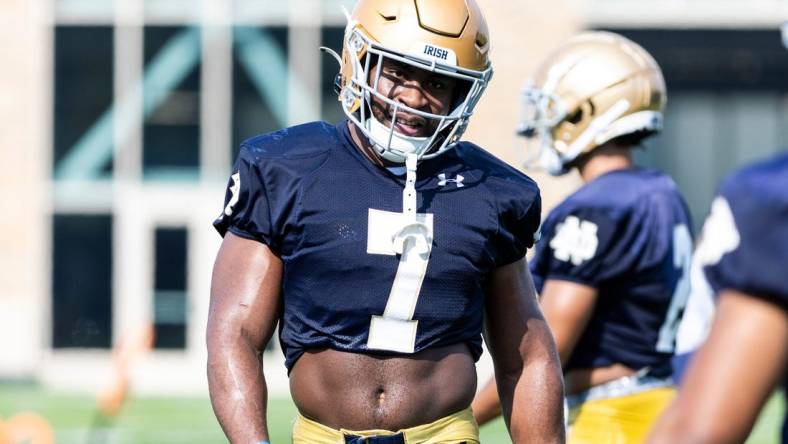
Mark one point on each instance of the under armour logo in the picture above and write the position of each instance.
(575, 240)
(442, 180)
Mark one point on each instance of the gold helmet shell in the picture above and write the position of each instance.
(595, 87)
(449, 37)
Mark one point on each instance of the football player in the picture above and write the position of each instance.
(612, 265)
(383, 246)
(742, 253)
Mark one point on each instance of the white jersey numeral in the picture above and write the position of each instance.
(682, 257)
(719, 237)
(235, 190)
(390, 233)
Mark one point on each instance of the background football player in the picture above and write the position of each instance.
(746, 354)
(382, 279)
(612, 265)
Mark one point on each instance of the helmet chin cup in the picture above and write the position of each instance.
(551, 162)
(399, 145)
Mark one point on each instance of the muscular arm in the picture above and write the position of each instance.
(244, 308)
(731, 376)
(567, 306)
(526, 363)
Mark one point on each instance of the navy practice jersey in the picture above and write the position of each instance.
(747, 231)
(330, 215)
(626, 234)
(745, 237)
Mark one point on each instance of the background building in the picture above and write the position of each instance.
(119, 121)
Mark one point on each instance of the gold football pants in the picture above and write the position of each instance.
(453, 429)
(621, 420)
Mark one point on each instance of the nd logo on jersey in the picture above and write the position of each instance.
(575, 240)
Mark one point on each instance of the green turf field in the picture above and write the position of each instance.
(184, 420)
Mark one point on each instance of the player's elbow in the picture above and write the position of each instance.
(218, 335)
(508, 365)
(229, 338)
(535, 354)
(539, 351)
(229, 349)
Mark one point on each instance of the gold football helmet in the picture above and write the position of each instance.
(447, 37)
(594, 88)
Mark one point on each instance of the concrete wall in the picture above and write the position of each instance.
(522, 34)
(24, 169)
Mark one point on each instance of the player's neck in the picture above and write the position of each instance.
(604, 159)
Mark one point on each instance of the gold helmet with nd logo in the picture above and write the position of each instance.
(444, 37)
(596, 87)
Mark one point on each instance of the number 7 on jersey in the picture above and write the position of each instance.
(395, 330)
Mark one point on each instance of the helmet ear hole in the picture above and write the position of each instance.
(575, 118)
(481, 41)
(586, 110)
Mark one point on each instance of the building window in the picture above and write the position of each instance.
(171, 102)
(716, 59)
(83, 88)
(170, 300)
(259, 82)
(726, 96)
(82, 281)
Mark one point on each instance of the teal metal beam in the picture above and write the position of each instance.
(258, 53)
(268, 68)
(163, 74)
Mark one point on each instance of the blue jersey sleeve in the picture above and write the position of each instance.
(517, 227)
(576, 246)
(517, 202)
(247, 209)
(266, 184)
(744, 246)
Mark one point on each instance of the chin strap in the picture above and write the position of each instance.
(409, 193)
(414, 231)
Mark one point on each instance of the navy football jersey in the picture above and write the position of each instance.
(626, 234)
(330, 215)
(744, 246)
